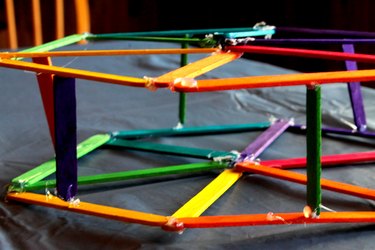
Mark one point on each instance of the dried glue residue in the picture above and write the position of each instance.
(174, 225)
(272, 217)
(186, 82)
(150, 83)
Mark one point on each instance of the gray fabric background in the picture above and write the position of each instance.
(25, 143)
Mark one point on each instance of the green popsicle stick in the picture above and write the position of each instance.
(182, 99)
(314, 147)
(57, 43)
(133, 174)
(40, 172)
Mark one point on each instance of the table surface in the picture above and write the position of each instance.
(103, 108)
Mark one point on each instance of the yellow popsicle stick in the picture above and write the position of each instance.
(197, 68)
(107, 52)
(76, 73)
(277, 80)
(205, 198)
(119, 214)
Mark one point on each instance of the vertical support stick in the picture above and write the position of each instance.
(355, 93)
(314, 145)
(66, 137)
(182, 100)
(11, 22)
(37, 23)
(45, 81)
(59, 19)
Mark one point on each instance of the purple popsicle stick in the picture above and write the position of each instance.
(346, 33)
(341, 131)
(66, 137)
(254, 149)
(355, 93)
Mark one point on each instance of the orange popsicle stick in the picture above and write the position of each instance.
(277, 80)
(76, 73)
(197, 68)
(302, 179)
(276, 219)
(106, 52)
(91, 209)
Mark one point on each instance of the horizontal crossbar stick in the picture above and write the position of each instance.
(191, 131)
(277, 80)
(332, 130)
(320, 32)
(132, 174)
(276, 219)
(327, 160)
(170, 149)
(181, 33)
(47, 168)
(312, 41)
(321, 54)
(107, 212)
(75, 73)
(107, 52)
(197, 68)
(334, 186)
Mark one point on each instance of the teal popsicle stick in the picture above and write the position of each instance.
(133, 174)
(314, 147)
(171, 149)
(40, 172)
(251, 31)
(203, 130)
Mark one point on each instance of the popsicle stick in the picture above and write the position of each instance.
(335, 186)
(37, 22)
(252, 32)
(332, 55)
(76, 73)
(311, 41)
(184, 131)
(45, 169)
(182, 96)
(313, 147)
(132, 174)
(57, 43)
(345, 33)
(197, 68)
(342, 131)
(326, 160)
(11, 23)
(65, 137)
(171, 149)
(59, 19)
(276, 219)
(106, 52)
(264, 140)
(45, 82)
(276, 81)
(107, 212)
(205, 198)
(355, 93)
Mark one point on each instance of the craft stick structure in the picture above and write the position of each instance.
(57, 88)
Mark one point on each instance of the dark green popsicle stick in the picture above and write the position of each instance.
(182, 100)
(170, 149)
(314, 145)
(133, 174)
(185, 131)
